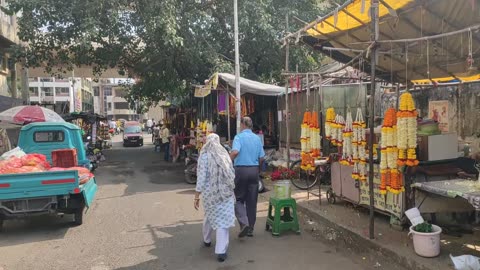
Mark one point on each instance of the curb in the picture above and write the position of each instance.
(357, 241)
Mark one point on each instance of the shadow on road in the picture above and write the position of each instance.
(174, 249)
(34, 229)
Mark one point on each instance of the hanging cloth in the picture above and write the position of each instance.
(222, 104)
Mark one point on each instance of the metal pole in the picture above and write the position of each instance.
(227, 114)
(287, 55)
(237, 66)
(374, 38)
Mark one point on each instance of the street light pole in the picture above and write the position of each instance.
(237, 65)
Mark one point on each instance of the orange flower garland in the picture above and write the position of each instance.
(388, 163)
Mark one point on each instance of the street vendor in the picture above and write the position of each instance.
(467, 166)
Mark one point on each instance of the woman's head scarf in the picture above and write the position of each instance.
(220, 168)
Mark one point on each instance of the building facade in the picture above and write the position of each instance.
(62, 95)
(9, 93)
(109, 100)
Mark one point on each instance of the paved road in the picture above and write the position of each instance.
(143, 218)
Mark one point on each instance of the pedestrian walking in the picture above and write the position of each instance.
(215, 183)
(165, 136)
(247, 154)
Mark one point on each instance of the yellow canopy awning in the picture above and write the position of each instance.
(344, 19)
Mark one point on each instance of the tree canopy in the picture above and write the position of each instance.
(166, 45)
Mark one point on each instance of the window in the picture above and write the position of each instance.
(49, 136)
(47, 91)
(33, 79)
(109, 106)
(120, 92)
(62, 91)
(46, 79)
(107, 91)
(122, 105)
(96, 91)
(33, 91)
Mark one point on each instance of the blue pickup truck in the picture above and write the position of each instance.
(52, 192)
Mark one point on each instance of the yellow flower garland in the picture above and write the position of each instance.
(407, 131)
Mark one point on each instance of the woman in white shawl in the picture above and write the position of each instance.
(215, 182)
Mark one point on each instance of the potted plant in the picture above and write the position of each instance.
(426, 239)
(281, 178)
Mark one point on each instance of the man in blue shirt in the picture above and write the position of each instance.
(247, 155)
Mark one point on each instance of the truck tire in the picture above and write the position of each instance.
(78, 216)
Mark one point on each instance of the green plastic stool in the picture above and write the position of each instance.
(279, 223)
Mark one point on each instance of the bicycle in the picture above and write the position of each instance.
(307, 179)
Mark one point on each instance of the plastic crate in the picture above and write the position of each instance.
(65, 158)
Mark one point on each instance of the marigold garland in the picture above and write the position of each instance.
(310, 140)
(329, 121)
(347, 141)
(407, 131)
(388, 162)
(305, 142)
(359, 142)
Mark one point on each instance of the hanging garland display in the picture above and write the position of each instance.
(390, 176)
(407, 131)
(329, 121)
(315, 135)
(305, 139)
(359, 142)
(337, 130)
(347, 141)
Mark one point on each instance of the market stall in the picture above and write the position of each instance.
(402, 41)
(258, 100)
(93, 125)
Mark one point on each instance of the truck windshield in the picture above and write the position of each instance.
(132, 129)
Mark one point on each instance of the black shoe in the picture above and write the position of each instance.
(222, 257)
(243, 232)
(250, 232)
(205, 244)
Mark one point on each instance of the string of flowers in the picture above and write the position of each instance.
(307, 162)
(315, 135)
(359, 143)
(407, 131)
(388, 164)
(347, 141)
(329, 121)
(337, 130)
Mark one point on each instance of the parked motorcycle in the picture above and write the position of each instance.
(94, 154)
(191, 170)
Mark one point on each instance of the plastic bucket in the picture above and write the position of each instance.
(413, 214)
(426, 244)
(282, 189)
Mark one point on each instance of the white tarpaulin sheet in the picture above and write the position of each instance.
(251, 87)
